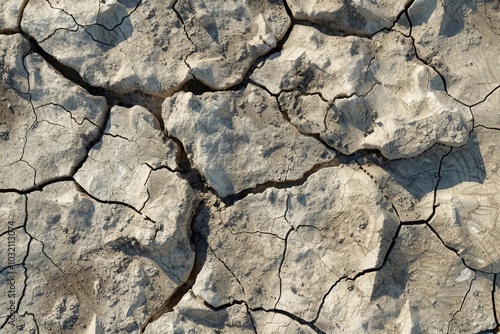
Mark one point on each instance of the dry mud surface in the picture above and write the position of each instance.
(269, 166)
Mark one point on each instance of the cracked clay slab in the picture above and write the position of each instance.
(303, 239)
(132, 147)
(239, 139)
(229, 37)
(270, 166)
(460, 39)
(350, 17)
(47, 121)
(84, 252)
(359, 94)
(468, 215)
(129, 45)
(408, 295)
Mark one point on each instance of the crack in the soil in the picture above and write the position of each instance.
(83, 191)
(113, 98)
(487, 127)
(252, 320)
(228, 269)
(292, 316)
(200, 245)
(285, 247)
(435, 205)
(462, 304)
(427, 63)
(493, 292)
(326, 30)
(363, 272)
(47, 256)
(197, 181)
(486, 97)
(19, 18)
(85, 27)
(39, 186)
(262, 187)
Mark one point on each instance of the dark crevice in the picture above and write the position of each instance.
(117, 25)
(9, 31)
(427, 63)
(199, 242)
(286, 117)
(80, 189)
(47, 256)
(454, 250)
(188, 172)
(23, 292)
(224, 306)
(98, 138)
(179, 16)
(292, 316)
(194, 85)
(129, 99)
(71, 114)
(260, 188)
(154, 169)
(228, 269)
(436, 187)
(7, 230)
(408, 4)
(493, 292)
(55, 31)
(118, 136)
(423, 61)
(197, 87)
(343, 158)
(39, 186)
(325, 30)
(66, 71)
(334, 162)
(255, 232)
(20, 14)
(252, 320)
(35, 321)
(487, 127)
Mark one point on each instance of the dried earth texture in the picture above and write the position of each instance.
(270, 166)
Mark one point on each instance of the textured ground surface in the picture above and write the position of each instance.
(270, 166)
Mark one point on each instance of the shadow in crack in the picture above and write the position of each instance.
(200, 230)
(199, 233)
